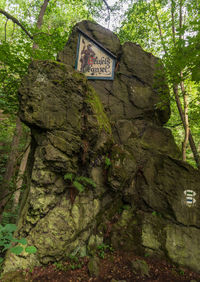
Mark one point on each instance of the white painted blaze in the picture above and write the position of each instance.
(190, 197)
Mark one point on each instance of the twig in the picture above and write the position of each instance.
(8, 16)
(5, 28)
(108, 7)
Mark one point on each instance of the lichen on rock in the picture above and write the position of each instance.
(139, 202)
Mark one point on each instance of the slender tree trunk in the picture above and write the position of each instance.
(20, 176)
(11, 166)
(159, 28)
(185, 96)
(40, 18)
(181, 113)
(187, 129)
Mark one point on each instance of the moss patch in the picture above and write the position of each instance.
(99, 111)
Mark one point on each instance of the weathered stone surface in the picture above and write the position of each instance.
(138, 76)
(141, 267)
(93, 266)
(109, 132)
(13, 276)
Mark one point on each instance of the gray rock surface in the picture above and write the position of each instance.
(139, 202)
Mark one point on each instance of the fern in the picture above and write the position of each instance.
(78, 186)
(69, 176)
(79, 182)
(86, 180)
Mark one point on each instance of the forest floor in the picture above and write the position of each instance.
(114, 267)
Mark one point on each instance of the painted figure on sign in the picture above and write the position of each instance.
(87, 56)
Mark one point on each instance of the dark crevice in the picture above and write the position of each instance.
(134, 77)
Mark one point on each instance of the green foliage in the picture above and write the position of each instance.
(102, 249)
(146, 255)
(73, 263)
(181, 272)
(126, 207)
(155, 213)
(157, 26)
(78, 186)
(99, 111)
(16, 250)
(79, 182)
(86, 180)
(16, 50)
(31, 250)
(7, 240)
(107, 162)
(69, 176)
(61, 266)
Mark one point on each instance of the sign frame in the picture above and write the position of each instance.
(99, 47)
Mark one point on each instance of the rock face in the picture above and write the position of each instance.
(109, 132)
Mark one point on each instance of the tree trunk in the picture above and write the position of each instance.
(187, 129)
(191, 140)
(11, 166)
(20, 175)
(40, 18)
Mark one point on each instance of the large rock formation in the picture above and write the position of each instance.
(111, 132)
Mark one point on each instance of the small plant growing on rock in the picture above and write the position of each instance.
(7, 240)
(61, 266)
(155, 213)
(102, 248)
(79, 182)
(107, 162)
(75, 262)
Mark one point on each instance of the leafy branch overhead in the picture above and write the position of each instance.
(14, 20)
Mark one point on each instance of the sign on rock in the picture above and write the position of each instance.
(93, 59)
(190, 197)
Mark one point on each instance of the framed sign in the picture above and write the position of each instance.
(93, 59)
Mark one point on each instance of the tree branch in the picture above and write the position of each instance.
(41, 14)
(5, 28)
(159, 28)
(173, 21)
(109, 10)
(108, 7)
(8, 16)
(40, 18)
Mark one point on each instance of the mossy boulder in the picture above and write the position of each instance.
(110, 132)
(94, 266)
(140, 267)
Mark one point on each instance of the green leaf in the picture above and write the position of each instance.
(86, 180)
(107, 162)
(10, 227)
(1, 260)
(69, 176)
(31, 249)
(16, 250)
(6, 246)
(23, 241)
(15, 240)
(78, 186)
